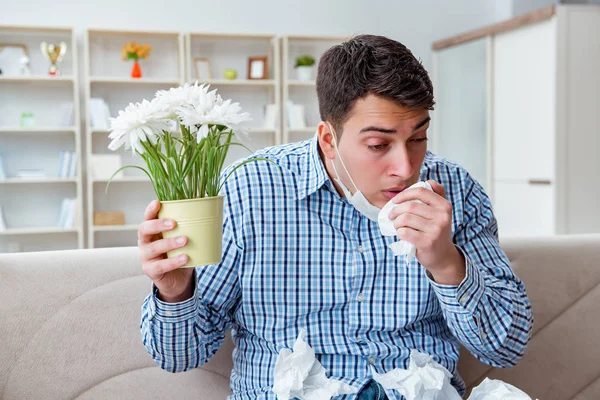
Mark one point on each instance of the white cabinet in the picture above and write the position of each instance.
(542, 117)
(109, 82)
(524, 102)
(459, 121)
(524, 208)
(41, 188)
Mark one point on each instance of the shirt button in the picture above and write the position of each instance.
(360, 297)
(371, 360)
(463, 299)
(169, 313)
(361, 249)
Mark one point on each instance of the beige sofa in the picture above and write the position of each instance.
(69, 327)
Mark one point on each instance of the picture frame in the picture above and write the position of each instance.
(202, 69)
(14, 59)
(257, 67)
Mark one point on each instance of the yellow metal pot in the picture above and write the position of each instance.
(201, 221)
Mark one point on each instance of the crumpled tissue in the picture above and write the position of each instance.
(386, 226)
(299, 374)
(424, 379)
(492, 389)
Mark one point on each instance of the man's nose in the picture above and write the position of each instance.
(400, 165)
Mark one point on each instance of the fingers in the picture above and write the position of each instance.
(156, 269)
(412, 221)
(158, 248)
(411, 207)
(428, 197)
(147, 230)
(151, 211)
(411, 236)
(437, 188)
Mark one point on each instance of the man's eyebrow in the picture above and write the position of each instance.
(421, 124)
(373, 128)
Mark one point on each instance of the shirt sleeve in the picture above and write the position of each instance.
(185, 335)
(489, 311)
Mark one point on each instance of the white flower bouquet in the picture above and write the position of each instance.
(183, 135)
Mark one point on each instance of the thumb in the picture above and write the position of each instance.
(437, 188)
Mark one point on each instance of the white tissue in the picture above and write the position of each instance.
(491, 389)
(424, 379)
(386, 226)
(299, 374)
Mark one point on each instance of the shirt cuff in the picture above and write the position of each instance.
(464, 298)
(173, 312)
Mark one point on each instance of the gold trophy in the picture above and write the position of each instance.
(54, 53)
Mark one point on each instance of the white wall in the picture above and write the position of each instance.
(415, 23)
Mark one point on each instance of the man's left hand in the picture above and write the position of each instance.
(429, 227)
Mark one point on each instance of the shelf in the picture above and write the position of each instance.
(114, 228)
(28, 181)
(39, 129)
(311, 129)
(261, 130)
(127, 179)
(122, 32)
(301, 83)
(133, 81)
(37, 231)
(97, 131)
(237, 36)
(238, 82)
(36, 78)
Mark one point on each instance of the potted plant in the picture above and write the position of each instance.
(183, 136)
(135, 51)
(304, 67)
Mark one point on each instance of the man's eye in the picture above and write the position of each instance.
(377, 147)
(419, 140)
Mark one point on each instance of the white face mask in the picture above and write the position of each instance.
(358, 200)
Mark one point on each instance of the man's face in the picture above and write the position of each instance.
(383, 146)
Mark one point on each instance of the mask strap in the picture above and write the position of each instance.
(341, 160)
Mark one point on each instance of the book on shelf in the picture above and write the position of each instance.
(2, 170)
(99, 113)
(67, 164)
(3, 226)
(296, 115)
(67, 215)
(67, 113)
(271, 116)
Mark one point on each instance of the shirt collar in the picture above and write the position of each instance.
(314, 174)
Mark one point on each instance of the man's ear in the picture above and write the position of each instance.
(326, 140)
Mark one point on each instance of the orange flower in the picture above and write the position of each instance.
(135, 51)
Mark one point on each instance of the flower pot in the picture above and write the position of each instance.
(201, 221)
(136, 71)
(304, 73)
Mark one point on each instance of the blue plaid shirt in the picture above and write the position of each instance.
(297, 255)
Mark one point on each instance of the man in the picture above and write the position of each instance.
(301, 249)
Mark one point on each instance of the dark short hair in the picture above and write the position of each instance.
(370, 64)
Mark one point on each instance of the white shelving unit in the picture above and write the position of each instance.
(225, 51)
(31, 206)
(302, 92)
(518, 107)
(109, 77)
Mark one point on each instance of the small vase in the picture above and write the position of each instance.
(304, 73)
(201, 221)
(136, 71)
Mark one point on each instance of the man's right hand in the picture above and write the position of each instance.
(174, 284)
